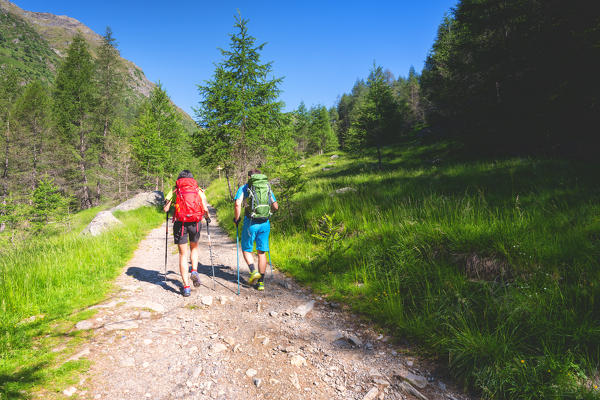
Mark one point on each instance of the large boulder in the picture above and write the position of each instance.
(103, 221)
(146, 199)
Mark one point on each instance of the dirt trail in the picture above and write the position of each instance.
(151, 343)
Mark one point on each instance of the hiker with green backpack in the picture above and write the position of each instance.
(259, 201)
(190, 208)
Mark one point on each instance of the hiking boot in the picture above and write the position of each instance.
(195, 276)
(186, 292)
(261, 286)
(254, 276)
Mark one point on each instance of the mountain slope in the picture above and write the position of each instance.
(24, 48)
(56, 32)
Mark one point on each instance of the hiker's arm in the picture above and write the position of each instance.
(273, 201)
(204, 201)
(168, 201)
(237, 209)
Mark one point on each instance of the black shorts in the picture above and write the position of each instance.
(181, 228)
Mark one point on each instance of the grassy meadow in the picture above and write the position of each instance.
(45, 286)
(492, 266)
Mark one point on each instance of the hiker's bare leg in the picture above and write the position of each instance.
(248, 257)
(195, 253)
(262, 262)
(183, 263)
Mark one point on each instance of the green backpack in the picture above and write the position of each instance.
(259, 205)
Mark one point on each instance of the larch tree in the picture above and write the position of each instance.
(110, 83)
(301, 128)
(239, 109)
(158, 138)
(378, 119)
(322, 137)
(9, 90)
(33, 115)
(75, 100)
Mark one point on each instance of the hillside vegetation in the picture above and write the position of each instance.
(490, 265)
(23, 47)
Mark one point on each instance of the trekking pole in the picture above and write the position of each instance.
(166, 245)
(211, 259)
(237, 252)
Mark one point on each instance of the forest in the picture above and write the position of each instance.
(78, 140)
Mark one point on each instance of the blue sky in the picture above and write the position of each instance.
(319, 47)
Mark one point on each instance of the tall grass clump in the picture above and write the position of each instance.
(492, 265)
(45, 283)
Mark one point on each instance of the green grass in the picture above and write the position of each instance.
(484, 263)
(53, 279)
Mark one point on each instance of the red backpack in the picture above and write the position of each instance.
(188, 206)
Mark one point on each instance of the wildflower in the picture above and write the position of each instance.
(522, 361)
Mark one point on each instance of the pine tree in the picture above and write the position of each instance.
(110, 83)
(158, 138)
(378, 121)
(301, 128)
(9, 91)
(322, 137)
(238, 110)
(347, 109)
(75, 100)
(48, 203)
(32, 112)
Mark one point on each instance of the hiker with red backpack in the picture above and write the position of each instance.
(259, 201)
(190, 208)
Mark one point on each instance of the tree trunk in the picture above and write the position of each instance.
(379, 155)
(5, 172)
(6, 153)
(126, 179)
(98, 190)
(228, 183)
(86, 202)
(102, 160)
(36, 151)
(119, 170)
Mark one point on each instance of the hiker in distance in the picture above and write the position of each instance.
(258, 200)
(190, 207)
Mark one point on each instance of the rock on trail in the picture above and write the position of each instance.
(149, 342)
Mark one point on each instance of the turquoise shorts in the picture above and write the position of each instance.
(255, 232)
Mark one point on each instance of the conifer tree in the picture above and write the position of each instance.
(48, 203)
(9, 91)
(110, 82)
(159, 137)
(378, 121)
(322, 138)
(301, 128)
(75, 100)
(238, 110)
(32, 112)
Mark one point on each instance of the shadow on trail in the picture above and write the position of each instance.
(221, 272)
(155, 277)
